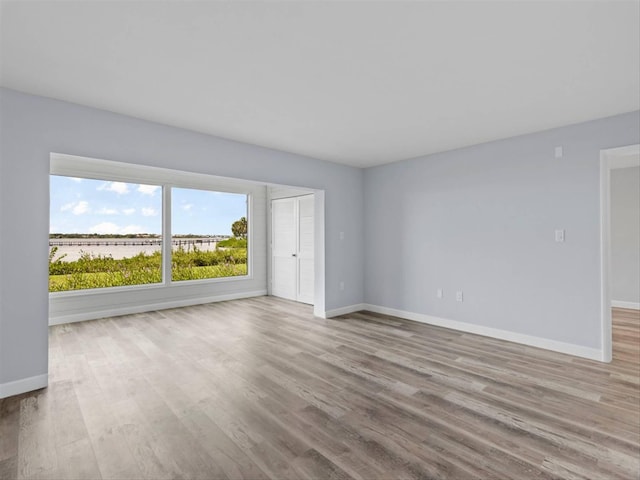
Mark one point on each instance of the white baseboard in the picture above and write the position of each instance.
(622, 304)
(336, 312)
(149, 307)
(545, 343)
(23, 385)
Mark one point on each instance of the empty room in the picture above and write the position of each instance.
(319, 240)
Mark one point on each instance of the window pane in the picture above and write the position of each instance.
(103, 234)
(209, 234)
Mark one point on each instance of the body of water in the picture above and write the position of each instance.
(118, 248)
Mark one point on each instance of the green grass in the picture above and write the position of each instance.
(81, 281)
(213, 271)
(98, 271)
(233, 243)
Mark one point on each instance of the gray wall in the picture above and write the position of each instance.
(479, 219)
(482, 220)
(625, 235)
(32, 127)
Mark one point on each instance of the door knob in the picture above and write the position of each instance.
(294, 255)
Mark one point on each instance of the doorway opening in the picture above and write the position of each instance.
(619, 232)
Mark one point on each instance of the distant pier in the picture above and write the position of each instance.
(73, 248)
(131, 242)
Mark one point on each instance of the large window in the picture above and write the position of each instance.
(103, 234)
(110, 234)
(209, 234)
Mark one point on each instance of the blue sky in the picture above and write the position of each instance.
(80, 205)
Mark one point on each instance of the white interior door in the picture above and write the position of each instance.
(284, 248)
(292, 248)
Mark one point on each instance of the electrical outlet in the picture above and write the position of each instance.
(439, 293)
(459, 297)
(341, 285)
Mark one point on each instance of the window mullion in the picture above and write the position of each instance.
(166, 234)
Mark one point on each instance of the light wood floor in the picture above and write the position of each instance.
(260, 389)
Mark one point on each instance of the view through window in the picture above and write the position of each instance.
(209, 234)
(109, 234)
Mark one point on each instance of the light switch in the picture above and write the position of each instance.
(558, 152)
(341, 235)
(559, 236)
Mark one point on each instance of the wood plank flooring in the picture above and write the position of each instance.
(260, 389)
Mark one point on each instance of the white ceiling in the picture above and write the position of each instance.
(359, 83)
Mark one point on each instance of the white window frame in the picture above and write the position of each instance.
(90, 168)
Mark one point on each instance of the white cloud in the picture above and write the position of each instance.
(109, 228)
(76, 179)
(187, 207)
(107, 211)
(149, 212)
(148, 189)
(80, 208)
(117, 187)
(129, 211)
(77, 208)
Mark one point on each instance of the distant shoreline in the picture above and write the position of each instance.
(72, 249)
(133, 236)
(127, 241)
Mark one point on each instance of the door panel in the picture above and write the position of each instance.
(305, 249)
(284, 278)
(284, 263)
(292, 248)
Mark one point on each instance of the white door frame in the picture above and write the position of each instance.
(606, 159)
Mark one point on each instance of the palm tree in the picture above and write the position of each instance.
(239, 228)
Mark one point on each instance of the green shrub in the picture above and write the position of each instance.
(199, 258)
(233, 243)
(98, 271)
(213, 271)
